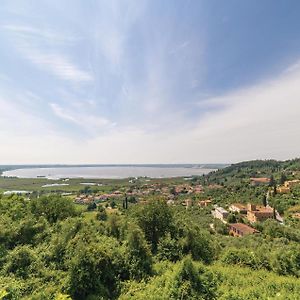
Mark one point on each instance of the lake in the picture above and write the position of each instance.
(108, 172)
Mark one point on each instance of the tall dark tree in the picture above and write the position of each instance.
(274, 190)
(272, 181)
(283, 178)
(264, 200)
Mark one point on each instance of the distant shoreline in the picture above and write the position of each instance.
(110, 171)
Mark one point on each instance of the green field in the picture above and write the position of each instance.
(102, 185)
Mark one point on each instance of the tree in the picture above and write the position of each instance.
(173, 190)
(114, 226)
(272, 181)
(184, 280)
(132, 199)
(113, 204)
(86, 190)
(155, 219)
(191, 282)
(138, 255)
(94, 269)
(286, 261)
(53, 207)
(125, 203)
(101, 215)
(21, 261)
(92, 206)
(198, 244)
(231, 218)
(264, 200)
(169, 249)
(274, 190)
(283, 178)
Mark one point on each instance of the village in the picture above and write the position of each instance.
(238, 217)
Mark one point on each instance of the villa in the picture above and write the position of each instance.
(220, 213)
(292, 183)
(238, 207)
(258, 213)
(258, 181)
(240, 229)
(283, 189)
(204, 203)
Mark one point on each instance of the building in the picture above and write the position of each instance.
(180, 189)
(198, 189)
(220, 213)
(171, 202)
(259, 213)
(17, 193)
(240, 229)
(292, 183)
(204, 203)
(215, 186)
(258, 181)
(238, 207)
(187, 203)
(296, 216)
(283, 190)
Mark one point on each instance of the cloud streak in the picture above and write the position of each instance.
(87, 121)
(34, 44)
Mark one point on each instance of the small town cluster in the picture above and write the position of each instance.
(191, 194)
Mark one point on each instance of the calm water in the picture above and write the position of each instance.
(109, 172)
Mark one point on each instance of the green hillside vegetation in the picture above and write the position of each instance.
(52, 248)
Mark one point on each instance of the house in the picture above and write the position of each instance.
(84, 200)
(143, 202)
(240, 229)
(198, 189)
(292, 183)
(171, 202)
(215, 186)
(220, 213)
(283, 190)
(238, 207)
(204, 203)
(259, 213)
(296, 216)
(188, 203)
(259, 180)
(183, 189)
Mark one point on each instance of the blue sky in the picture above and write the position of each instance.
(149, 81)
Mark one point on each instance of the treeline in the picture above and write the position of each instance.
(254, 168)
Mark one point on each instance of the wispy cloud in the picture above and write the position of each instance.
(56, 63)
(43, 34)
(87, 121)
(34, 45)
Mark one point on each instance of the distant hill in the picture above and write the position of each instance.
(255, 168)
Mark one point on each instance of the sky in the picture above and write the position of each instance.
(149, 81)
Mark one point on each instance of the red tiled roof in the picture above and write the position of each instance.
(262, 179)
(245, 229)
